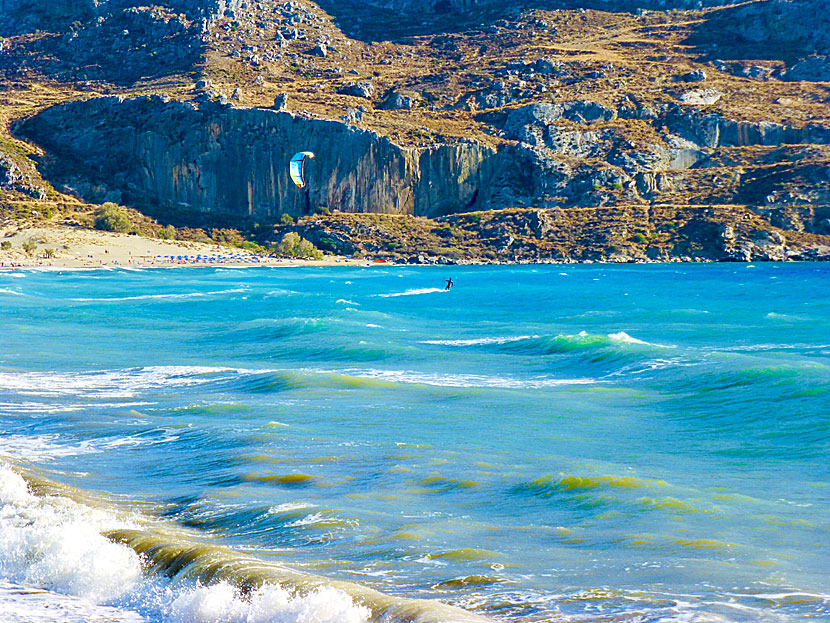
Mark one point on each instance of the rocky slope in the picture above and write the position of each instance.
(451, 107)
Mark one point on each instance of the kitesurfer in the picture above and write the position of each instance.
(449, 283)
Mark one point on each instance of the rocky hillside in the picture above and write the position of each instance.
(613, 108)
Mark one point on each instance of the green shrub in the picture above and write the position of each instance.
(292, 245)
(286, 219)
(167, 233)
(110, 217)
(5, 245)
(49, 253)
(639, 238)
(29, 247)
(253, 247)
(327, 244)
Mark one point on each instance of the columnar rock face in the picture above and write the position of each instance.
(235, 161)
(216, 159)
(18, 16)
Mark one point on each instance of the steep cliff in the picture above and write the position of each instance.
(214, 158)
(428, 108)
(224, 160)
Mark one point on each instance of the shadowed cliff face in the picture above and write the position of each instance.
(213, 159)
(235, 161)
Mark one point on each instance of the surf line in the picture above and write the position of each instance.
(178, 554)
(208, 564)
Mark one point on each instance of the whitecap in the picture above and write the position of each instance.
(125, 383)
(481, 341)
(623, 338)
(141, 297)
(463, 380)
(55, 544)
(288, 507)
(412, 292)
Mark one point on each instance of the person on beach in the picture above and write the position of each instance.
(449, 283)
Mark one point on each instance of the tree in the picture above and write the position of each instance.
(289, 243)
(292, 245)
(110, 217)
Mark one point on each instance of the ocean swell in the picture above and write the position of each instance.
(128, 561)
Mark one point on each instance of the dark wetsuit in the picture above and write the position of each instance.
(449, 284)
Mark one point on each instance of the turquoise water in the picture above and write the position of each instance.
(540, 443)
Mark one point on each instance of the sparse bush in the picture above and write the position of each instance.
(5, 245)
(253, 247)
(49, 253)
(227, 236)
(327, 244)
(286, 219)
(29, 247)
(292, 245)
(288, 243)
(167, 233)
(110, 217)
(639, 238)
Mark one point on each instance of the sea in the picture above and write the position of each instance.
(560, 443)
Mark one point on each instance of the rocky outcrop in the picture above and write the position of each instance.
(223, 160)
(13, 179)
(619, 234)
(18, 16)
(212, 158)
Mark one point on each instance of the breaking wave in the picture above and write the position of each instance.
(121, 559)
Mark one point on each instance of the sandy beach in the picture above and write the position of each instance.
(73, 247)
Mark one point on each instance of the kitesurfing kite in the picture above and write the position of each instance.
(297, 167)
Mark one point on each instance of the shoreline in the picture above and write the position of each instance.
(89, 249)
(75, 248)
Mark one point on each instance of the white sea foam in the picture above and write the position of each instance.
(481, 341)
(412, 292)
(52, 549)
(220, 603)
(288, 507)
(464, 380)
(347, 302)
(7, 291)
(623, 338)
(20, 604)
(179, 295)
(56, 544)
(41, 447)
(125, 383)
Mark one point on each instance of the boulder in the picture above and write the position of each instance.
(360, 88)
(281, 101)
(814, 68)
(400, 100)
(700, 97)
(698, 75)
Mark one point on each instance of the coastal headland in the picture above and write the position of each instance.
(625, 130)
